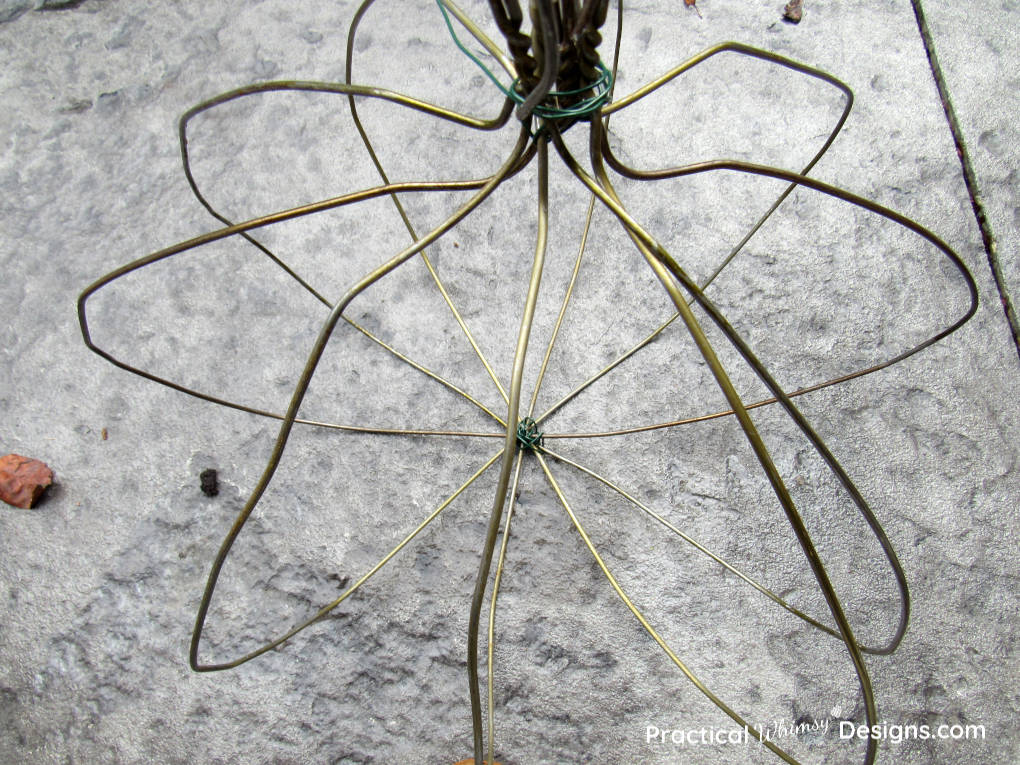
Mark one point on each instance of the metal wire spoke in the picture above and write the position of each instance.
(499, 121)
(323, 612)
(193, 184)
(329, 89)
(302, 386)
(690, 64)
(670, 274)
(771, 595)
(241, 229)
(493, 598)
(646, 625)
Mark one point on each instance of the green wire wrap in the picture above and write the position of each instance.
(528, 434)
(549, 108)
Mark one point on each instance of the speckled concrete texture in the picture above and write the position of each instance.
(101, 581)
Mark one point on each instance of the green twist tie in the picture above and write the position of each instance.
(528, 434)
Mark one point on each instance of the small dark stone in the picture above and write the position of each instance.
(209, 482)
(794, 11)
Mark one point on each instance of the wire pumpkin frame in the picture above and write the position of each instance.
(555, 72)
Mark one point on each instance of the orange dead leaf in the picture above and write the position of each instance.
(23, 480)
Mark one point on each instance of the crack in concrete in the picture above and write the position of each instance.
(969, 177)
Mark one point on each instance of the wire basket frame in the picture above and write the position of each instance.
(548, 99)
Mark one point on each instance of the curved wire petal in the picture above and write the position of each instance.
(794, 179)
(671, 275)
(631, 499)
(333, 89)
(662, 257)
(649, 89)
(298, 396)
(646, 625)
(242, 229)
(213, 236)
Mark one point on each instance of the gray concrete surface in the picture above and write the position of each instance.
(103, 579)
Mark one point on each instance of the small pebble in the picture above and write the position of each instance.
(209, 482)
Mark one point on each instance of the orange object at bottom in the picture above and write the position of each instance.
(471, 761)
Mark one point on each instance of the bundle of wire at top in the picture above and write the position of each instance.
(557, 104)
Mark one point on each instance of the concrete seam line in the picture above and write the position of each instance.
(969, 177)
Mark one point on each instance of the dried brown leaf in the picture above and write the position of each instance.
(23, 480)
